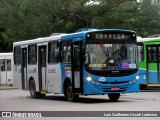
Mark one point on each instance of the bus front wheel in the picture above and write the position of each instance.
(70, 95)
(113, 97)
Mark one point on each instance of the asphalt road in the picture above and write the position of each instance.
(20, 100)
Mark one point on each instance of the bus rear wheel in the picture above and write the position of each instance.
(32, 89)
(113, 97)
(70, 95)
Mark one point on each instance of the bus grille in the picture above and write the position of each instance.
(115, 82)
(122, 84)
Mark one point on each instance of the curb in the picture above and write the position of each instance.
(7, 87)
(6, 84)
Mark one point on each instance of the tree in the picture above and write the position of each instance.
(149, 17)
(28, 19)
(142, 17)
(108, 14)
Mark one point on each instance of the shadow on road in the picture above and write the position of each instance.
(82, 99)
(151, 89)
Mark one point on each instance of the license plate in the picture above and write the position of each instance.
(115, 88)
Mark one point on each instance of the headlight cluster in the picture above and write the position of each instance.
(89, 79)
(136, 78)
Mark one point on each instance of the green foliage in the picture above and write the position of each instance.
(69, 25)
(28, 19)
(149, 17)
(141, 17)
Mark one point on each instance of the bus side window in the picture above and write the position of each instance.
(17, 55)
(9, 65)
(2, 65)
(66, 51)
(32, 54)
(152, 54)
(140, 52)
(53, 52)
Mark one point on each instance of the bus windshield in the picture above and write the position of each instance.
(110, 56)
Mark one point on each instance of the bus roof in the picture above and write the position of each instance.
(38, 40)
(6, 55)
(156, 39)
(66, 36)
(83, 33)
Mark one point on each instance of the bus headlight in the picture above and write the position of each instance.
(89, 79)
(137, 77)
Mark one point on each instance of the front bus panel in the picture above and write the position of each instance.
(110, 63)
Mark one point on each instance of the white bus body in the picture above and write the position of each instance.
(48, 74)
(6, 62)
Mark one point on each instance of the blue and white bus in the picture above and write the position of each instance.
(89, 62)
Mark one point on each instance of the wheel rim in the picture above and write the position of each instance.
(32, 89)
(69, 91)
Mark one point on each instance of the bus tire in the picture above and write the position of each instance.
(143, 86)
(113, 97)
(32, 89)
(71, 97)
(42, 95)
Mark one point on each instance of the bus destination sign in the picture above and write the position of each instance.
(110, 36)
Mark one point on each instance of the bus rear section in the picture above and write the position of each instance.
(6, 75)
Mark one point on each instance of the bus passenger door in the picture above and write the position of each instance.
(24, 68)
(42, 67)
(152, 64)
(77, 68)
